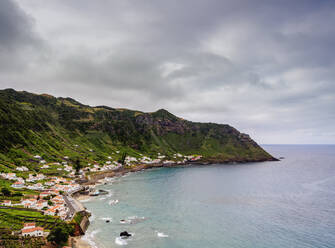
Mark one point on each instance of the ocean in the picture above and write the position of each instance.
(285, 204)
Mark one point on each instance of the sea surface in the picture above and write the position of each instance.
(285, 204)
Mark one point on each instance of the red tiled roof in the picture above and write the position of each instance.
(29, 230)
(29, 224)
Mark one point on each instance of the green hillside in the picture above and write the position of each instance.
(53, 127)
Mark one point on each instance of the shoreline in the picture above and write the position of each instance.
(120, 172)
(79, 241)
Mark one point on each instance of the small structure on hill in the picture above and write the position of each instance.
(31, 230)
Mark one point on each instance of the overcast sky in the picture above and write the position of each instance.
(265, 67)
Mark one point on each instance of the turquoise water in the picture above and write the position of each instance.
(283, 204)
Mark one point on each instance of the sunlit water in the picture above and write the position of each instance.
(283, 204)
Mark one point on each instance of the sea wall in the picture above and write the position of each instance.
(85, 222)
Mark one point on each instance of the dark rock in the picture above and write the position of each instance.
(125, 234)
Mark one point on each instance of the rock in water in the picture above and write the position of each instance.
(125, 234)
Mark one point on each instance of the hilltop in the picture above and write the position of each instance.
(55, 128)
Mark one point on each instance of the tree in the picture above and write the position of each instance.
(50, 203)
(60, 234)
(17, 194)
(123, 158)
(77, 165)
(5, 191)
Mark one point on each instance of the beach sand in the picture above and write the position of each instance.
(80, 243)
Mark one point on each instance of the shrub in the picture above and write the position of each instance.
(5, 191)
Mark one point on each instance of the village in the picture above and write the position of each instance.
(53, 195)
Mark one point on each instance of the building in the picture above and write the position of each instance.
(11, 176)
(18, 185)
(30, 230)
(7, 203)
(29, 203)
(41, 204)
(58, 210)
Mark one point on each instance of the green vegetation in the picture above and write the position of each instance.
(60, 234)
(52, 127)
(14, 219)
(8, 240)
(5, 191)
(123, 158)
(78, 218)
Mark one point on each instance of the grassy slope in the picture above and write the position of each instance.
(56, 127)
(14, 218)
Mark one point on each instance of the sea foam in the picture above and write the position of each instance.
(89, 237)
(106, 218)
(161, 235)
(113, 202)
(120, 241)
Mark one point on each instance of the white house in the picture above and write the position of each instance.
(55, 210)
(18, 185)
(30, 229)
(7, 203)
(49, 183)
(37, 186)
(41, 204)
(40, 176)
(11, 176)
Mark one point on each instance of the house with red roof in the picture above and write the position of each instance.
(31, 230)
(6, 203)
(18, 185)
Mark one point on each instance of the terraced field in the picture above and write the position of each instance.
(14, 219)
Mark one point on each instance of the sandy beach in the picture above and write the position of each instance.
(80, 243)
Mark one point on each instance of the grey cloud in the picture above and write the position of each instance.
(18, 41)
(263, 66)
(15, 26)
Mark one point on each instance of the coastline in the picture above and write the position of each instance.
(93, 179)
(80, 241)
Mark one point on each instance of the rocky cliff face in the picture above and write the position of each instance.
(56, 127)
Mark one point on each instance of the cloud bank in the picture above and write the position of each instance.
(265, 67)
